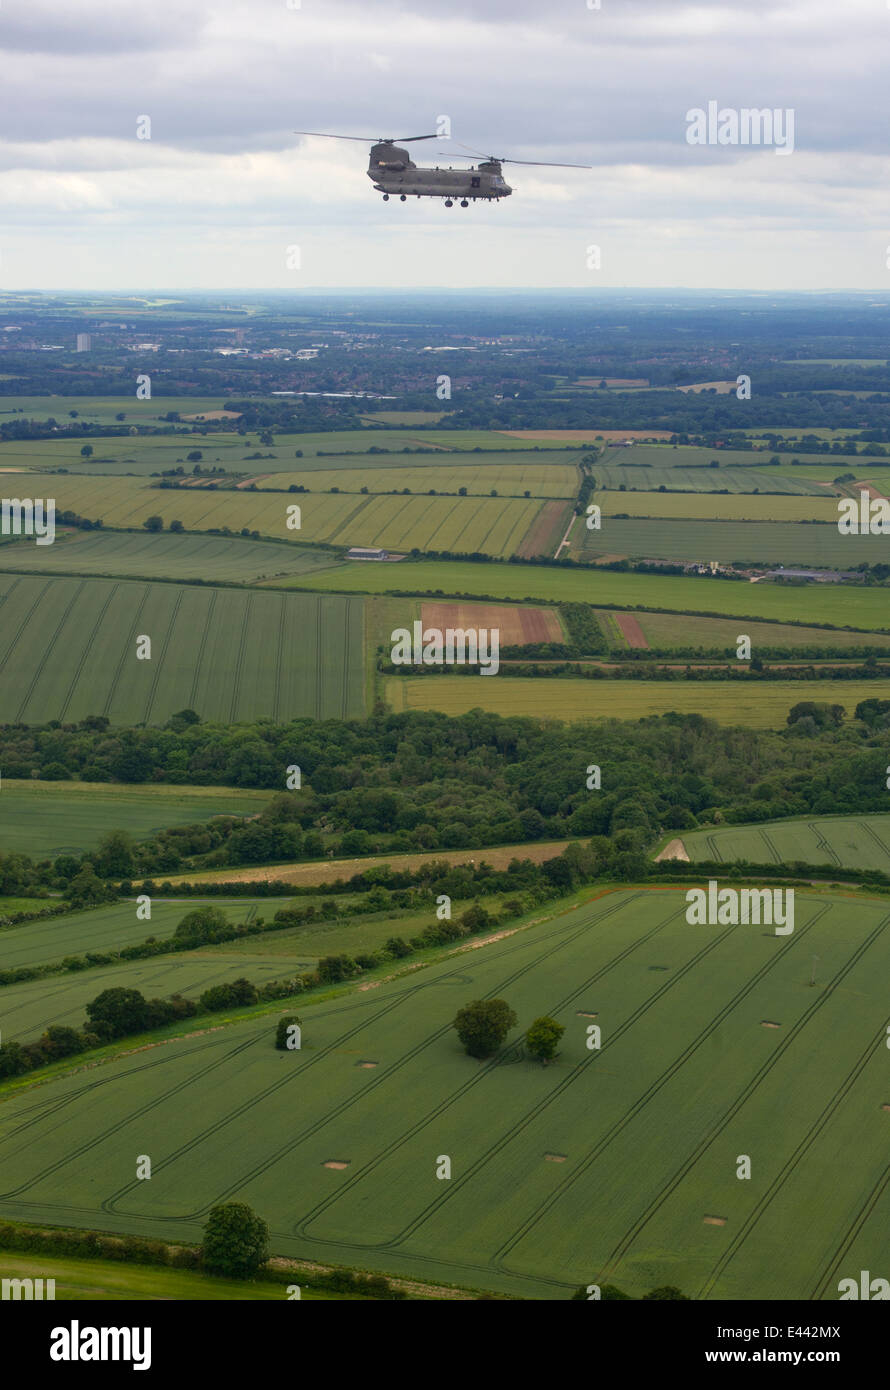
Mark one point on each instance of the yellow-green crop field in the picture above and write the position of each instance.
(105, 409)
(755, 704)
(491, 525)
(509, 480)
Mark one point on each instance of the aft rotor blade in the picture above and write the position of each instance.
(406, 139)
(326, 135)
(544, 164)
(537, 163)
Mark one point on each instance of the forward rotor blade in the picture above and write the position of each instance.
(368, 139)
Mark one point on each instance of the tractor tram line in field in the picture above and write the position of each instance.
(302, 1228)
(658, 1082)
(199, 659)
(837, 1098)
(854, 1230)
(621, 1250)
(126, 649)
(404, 996)
(87, 648)
(97, 1138)
(239, 659)
(39, 669)
(165, 647)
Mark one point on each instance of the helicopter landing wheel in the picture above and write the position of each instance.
(386, 197)
(464, 203)
(449, 203)
(403, 197)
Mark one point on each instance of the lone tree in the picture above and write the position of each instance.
(236, 1241)
(542, 1038)
(282, 1041)
(483, 1025)
(153, 523)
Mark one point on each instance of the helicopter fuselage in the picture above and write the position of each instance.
(393, 172)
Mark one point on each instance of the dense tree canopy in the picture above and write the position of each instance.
(236, 1241)
(483, 1025)
(424, 781)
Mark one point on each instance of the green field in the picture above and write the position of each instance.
(110, 1280)
(754, 463)
(838, 605)
(29, 1008)
(756, 704)
(104, 409)
(9, 905)
(663, 630)
(163, 555)
(596, 1195)
(110, 928)
(705, 482)
(761, 542)
(137, 455)
(705, 506)
(850, 842)
(68, 649)
(45, 819)
(301, 947)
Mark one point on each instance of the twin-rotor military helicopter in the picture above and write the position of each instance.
(392, 171)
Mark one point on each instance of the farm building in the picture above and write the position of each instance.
(359, 552)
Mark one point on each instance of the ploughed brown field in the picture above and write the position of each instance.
(517, 626)
(631, 631)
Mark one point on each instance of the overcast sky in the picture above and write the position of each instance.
(222, 188)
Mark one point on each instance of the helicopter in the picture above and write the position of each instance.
(394, 172)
